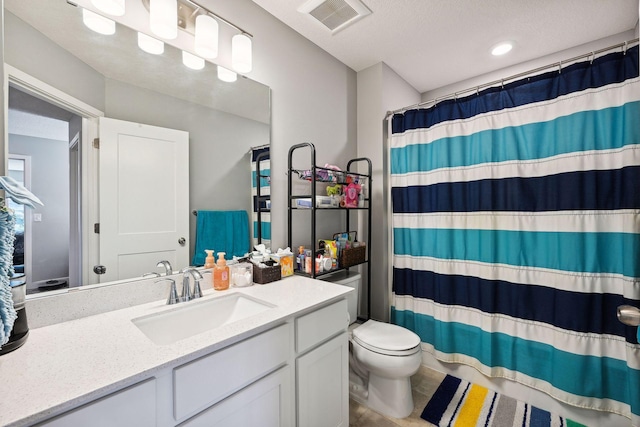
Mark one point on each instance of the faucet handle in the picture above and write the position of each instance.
(173, 292)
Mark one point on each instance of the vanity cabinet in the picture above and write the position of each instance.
(135, 405)
(267, 403)
(322, 367)
(294, 374)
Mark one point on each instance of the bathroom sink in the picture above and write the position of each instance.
(195, 317)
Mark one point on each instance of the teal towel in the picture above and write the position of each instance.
(221, 231)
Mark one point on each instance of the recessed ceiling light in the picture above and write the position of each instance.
(501, 48)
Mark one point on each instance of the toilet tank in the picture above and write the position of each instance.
(353, 280)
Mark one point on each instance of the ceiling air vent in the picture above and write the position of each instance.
(335, 14)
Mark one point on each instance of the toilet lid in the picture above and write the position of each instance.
(385, 337)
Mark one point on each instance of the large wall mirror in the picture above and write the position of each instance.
(46, 41)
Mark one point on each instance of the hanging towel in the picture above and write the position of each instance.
(221, 231)
(17, 192)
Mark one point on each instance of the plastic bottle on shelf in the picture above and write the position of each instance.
(221, 273)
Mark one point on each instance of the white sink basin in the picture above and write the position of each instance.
(195, 317)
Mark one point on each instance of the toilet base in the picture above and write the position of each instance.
(395, 399)
(390, 397)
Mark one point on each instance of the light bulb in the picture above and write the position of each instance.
(192, 61)
(241, 60)
(206, 44)
(226, 75)
(111, 7)
(98, 23)
(150, 45)
(163, 18)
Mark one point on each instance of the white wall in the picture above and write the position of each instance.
(380, 89)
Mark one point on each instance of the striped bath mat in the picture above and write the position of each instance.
(458, 403)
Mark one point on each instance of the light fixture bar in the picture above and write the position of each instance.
(197, 7)
(218, 17)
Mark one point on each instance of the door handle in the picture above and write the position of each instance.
(182, 241)
(629, 315)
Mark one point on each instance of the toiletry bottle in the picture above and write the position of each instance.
(300, 258)
(221, 273)
(308, 261)
(209, 262)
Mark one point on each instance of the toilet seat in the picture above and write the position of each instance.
(385, 338)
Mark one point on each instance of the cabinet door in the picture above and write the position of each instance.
(265, 403)
(133, 406)
(323, 385)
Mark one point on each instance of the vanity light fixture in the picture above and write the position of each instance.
(150, 45)
(226, 75)
(110, 7)
(203, 25)
(501, 48)
(241, 57)
(163, 18)
(98, 23)
(192, 61)
(206, 43)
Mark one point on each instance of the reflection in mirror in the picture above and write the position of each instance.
(111, 76)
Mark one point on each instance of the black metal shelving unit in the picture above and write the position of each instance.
(313, 210)
(260, 199)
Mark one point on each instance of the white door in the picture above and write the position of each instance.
(144, 198)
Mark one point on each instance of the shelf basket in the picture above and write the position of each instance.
(352, 256)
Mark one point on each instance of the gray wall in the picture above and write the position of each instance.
(380, 89)
(50, 181)
(51, 64)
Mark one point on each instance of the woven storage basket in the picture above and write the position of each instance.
(352, 256)
(266, 274)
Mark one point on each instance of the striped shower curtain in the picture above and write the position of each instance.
(516, 231)
(265, 194)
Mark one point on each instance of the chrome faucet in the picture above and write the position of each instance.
(168, 271)
(173, 297)
(187, 294)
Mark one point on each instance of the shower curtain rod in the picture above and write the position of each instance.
(476, 89)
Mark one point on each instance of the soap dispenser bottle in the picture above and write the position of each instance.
(221, 273)
(209, 262)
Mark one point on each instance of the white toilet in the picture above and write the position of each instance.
(382, 359)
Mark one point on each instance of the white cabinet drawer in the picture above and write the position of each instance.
(313, 328)
(205, 381)
(266, 403)
(133, 406)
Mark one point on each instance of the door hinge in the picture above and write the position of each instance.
(96, 143)
(96, 228)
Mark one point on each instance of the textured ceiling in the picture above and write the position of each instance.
(434, 43)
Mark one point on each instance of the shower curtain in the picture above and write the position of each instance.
(265, 190)
(516, 231)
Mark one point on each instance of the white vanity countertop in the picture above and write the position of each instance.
(67, 364)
